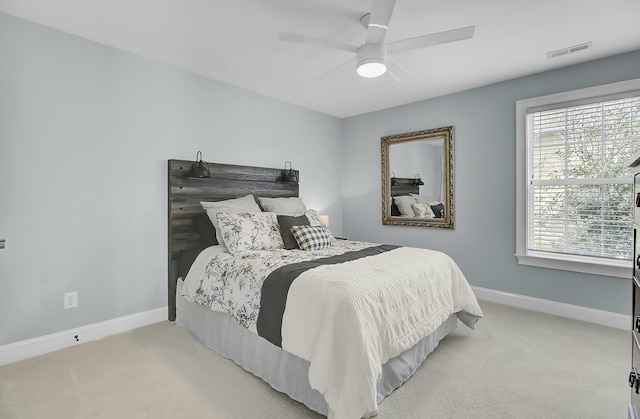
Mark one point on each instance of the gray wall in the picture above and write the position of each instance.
(86, 130)
(483, 242)
(85, 135)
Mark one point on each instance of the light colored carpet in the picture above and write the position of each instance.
(517, 364)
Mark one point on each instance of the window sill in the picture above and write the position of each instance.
(583, 264)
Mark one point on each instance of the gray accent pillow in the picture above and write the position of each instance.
(438, 210)
(205, 229)
(286, 222)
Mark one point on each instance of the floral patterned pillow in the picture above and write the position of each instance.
(250, 231)
(423, 211)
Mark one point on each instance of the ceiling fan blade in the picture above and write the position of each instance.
(381, 11)
(431, 39)
(393, 76)
(337, 70)
(316, 42)
(397, 70)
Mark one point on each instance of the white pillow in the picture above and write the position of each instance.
(423, 211)
(405, 205)
(283, 206)
(420, 199)
(250, 231)
(245, 204)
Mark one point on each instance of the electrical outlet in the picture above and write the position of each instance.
(70, 299)
(2, 243)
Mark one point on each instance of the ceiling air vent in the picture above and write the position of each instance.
(569, 50)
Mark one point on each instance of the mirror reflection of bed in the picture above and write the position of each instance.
(417, 170)
(406, 189)
(204, 276)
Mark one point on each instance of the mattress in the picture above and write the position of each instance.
(282, 370)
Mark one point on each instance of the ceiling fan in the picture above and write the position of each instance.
(373, 57)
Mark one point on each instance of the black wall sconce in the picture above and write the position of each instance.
(200, 168)
(394, 181)
(289, 175)
(418, 180)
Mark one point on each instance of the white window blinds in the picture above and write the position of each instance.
(579, 192)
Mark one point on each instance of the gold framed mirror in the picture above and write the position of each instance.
(417, 178)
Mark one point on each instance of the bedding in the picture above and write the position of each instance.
(283, 371)
(346, 319)
(246, 203)
(283, 206)
(232, 284)
(420, 199)
(405, 205)
(313, 216)
(356, 316)
(249, 231)
(315, 220)
(312, 237)
(423, 211)
(438, 209)
(205, 229)
(286, 222)
(275, 288)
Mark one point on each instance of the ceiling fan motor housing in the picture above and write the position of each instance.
(372, 60)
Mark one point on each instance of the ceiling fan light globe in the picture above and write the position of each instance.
(371, 68)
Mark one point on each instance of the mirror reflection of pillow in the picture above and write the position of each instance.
(405, 205)
(423, 211)
(420, 199)
(438, 208)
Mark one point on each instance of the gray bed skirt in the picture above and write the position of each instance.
(283, 371)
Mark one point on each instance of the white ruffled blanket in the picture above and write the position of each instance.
(346, 319)
(349, 319)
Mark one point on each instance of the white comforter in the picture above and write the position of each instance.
(346, 319)
(349, 319)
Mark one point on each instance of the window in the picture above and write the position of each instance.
(574, 189)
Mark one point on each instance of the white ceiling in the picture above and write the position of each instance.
(236, 41)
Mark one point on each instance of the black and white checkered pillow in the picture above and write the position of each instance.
(312, 237)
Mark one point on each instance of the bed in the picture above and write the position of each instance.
(352, 321)
(408, 192)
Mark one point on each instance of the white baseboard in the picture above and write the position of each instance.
(18, 351)
(585, 314)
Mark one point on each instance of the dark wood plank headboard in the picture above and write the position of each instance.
(405, 186)
(185, 193)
